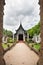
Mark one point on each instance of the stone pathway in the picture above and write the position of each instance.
(21, 55)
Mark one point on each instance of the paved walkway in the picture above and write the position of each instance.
(21, 55)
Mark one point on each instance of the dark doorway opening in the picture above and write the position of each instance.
(21, 37)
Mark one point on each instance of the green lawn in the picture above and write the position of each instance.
(35, 46)
(9, 43)
(6, 45)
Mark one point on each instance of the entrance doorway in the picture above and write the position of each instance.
(21, 37)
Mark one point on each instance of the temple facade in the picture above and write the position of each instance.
(21, 34)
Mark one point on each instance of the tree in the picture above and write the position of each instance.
(34, 30)
(7, 33)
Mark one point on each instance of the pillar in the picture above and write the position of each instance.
(13, 37)
(27, 37)
(24, 37)
(17, 37)
(41, 22)
(2, 2)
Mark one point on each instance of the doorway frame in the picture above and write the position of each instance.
(2, 3)
(19, 36)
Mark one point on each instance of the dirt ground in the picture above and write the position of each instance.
(21, 54)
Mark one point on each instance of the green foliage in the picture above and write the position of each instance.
(4, 45)
(7, 33)
(10, 40)
(35, 46)
(34, 30)
(15, 39)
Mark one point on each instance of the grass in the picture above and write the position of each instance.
(8, 44)
(35, 46)
(5, 45)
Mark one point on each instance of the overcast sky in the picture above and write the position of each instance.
(24, 11)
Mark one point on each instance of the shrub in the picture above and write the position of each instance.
(10, 40)
(15, 40)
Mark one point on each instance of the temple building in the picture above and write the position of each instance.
(21, 34)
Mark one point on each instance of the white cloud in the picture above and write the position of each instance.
(25, 10)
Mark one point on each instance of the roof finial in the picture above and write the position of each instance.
(20, 22)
